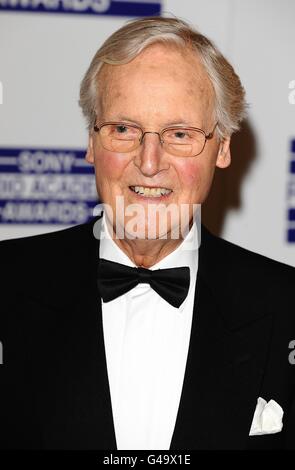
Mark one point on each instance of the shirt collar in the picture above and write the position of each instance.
(186, 254)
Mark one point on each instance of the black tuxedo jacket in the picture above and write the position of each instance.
(54, 385)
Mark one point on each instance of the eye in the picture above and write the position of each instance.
(121, 129)
(180, 134)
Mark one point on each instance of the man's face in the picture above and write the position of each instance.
(161, 87)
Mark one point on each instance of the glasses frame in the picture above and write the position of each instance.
(208, 136)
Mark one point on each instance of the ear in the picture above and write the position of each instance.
(90, 154)
(224, 157)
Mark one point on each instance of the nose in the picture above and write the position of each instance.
(149, 156)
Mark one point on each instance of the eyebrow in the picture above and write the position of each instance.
(177, 122)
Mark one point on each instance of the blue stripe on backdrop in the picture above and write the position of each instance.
(291, 195)
(89, 7)
(46, 212)
(41, 160)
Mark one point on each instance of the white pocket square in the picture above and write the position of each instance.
(268, 418)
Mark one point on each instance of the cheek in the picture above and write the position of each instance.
(108, 168)
(190, 175)
(195, 180)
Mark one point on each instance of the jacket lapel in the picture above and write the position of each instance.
(77, 415)
(224, 366)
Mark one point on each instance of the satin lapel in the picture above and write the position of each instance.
(223, 375)
(77, 414)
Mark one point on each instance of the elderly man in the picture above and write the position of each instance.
(138, 330)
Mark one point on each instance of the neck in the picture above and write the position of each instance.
(146, 253)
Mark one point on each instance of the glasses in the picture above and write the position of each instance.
(178, 141)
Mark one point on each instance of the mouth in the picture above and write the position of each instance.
(151, 192)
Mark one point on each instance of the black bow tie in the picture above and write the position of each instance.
(115, 279)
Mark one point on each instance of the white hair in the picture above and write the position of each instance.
(130, 40)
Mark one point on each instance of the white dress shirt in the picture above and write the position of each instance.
(146, 343)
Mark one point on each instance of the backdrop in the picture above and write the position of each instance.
(45, 48)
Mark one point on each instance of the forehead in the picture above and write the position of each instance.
(158, 73)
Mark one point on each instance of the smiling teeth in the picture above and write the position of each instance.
(151, 192)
